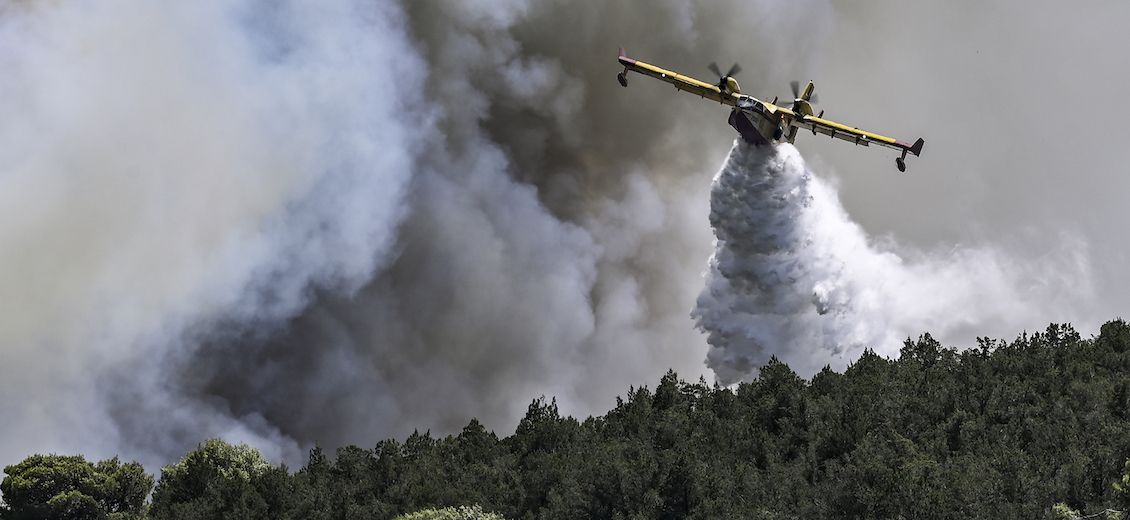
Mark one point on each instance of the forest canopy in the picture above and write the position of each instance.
(1037, 427)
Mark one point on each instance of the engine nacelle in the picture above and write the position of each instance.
(802, 107)
(731, 85)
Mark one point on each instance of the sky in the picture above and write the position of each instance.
(1019, 107)
(288, 223)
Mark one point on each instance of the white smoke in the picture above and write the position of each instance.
(793, 276)
(165, 167)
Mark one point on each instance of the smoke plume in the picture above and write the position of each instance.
(793, 276)
(170, 168)
(552, 244)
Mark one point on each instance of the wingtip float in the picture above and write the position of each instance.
(762, 122)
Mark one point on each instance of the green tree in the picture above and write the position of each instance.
(220, 480)
(68, 487)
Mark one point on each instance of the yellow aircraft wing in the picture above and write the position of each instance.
(818, 125)
(681, 82)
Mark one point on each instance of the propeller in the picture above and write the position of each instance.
(722, 77)
(718, 72)
(794, 85)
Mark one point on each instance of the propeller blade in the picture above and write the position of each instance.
(734, 70)
(714, 68)
(795, 86)
(814, 98)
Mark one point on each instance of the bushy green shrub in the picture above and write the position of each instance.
(452, 513)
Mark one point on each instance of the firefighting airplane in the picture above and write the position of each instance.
(761, 122)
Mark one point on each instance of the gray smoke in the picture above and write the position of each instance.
(793, 276)
(166, 168)
(553, 244)
(289, 223)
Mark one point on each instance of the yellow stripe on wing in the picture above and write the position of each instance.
(850, 130)
(675, 76)
(682, 82)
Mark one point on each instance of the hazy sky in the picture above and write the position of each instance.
(1019, 104)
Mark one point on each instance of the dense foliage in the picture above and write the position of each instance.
(218, 480)
(1038, 427)
(70, 488)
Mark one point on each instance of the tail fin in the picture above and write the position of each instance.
(916, 148)
(622, 53)
(807, 94)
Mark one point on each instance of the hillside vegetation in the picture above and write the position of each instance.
(1038, 427)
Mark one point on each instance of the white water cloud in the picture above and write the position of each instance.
(793, 276)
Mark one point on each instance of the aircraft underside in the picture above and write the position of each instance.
(753, 129)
